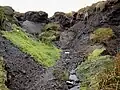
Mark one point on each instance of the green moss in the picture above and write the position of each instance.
(50, 33)
(42, 53)
(2, 75)
(101, 35)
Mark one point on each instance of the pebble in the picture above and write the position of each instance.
(67, 52)
(73, 78)
(70, 82)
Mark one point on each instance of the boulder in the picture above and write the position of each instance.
(41, 17)
(32, 27)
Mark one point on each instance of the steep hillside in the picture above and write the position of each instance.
(68, 51)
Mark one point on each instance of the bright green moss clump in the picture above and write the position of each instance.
(2, 76)
(101, 35)
(42, 53)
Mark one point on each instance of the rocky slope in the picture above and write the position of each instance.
(23, 73)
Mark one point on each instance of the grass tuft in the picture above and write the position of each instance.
(95, 71)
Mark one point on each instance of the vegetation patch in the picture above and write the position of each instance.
(99, 72)
(42, 53)
(50, 33)
(3, 76)
(101, 35)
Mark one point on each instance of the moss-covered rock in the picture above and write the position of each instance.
(101, 35)
(7, 18)
(50, 33)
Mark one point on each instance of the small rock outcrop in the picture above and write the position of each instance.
(8, 10)
(41, 17)
(19, 16)
(7, 18)
(61, 18)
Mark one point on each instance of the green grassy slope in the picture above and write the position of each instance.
(42, 53)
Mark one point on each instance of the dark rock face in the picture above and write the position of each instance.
(61, 18)
(41, 17)
(113, 1)
(113, 16)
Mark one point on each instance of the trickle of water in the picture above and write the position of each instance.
(73, 81)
